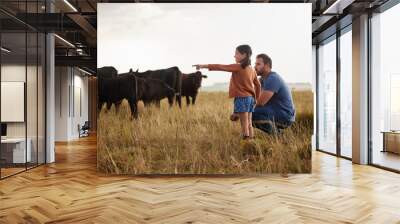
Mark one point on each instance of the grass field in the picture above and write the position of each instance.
(200, 140)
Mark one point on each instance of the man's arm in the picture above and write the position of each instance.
(271, 85)
(265, 96)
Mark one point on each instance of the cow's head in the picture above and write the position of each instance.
(197, 78)
(107, 72)
(132, 72)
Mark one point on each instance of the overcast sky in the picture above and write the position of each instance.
(153, 36)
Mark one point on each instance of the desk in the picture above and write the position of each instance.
(391, 141)
(13, 150)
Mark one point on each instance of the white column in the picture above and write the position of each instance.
(314, 89)
(50, 92)
(360, 90)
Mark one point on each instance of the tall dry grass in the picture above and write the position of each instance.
(200, 140)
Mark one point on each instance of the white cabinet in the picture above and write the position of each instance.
(16, 147)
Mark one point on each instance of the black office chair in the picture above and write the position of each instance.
(84, 130)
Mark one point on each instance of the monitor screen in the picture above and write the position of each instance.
(3, 129)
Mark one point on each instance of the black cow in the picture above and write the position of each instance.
(107, 72)
(103, 73)
(154, 91)
(171, 76)
(190, 85)
(114, 90)
(132, 88)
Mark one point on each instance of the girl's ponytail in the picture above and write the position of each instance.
(245, 49)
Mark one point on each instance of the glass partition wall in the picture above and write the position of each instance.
(327, 96)
(385, 89)
(346, 93)
(22, 77)
(334, 81)
(13, 90)
(334, 94)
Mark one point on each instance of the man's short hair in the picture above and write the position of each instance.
(266, 59)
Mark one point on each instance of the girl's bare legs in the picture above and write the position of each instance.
(244, 122)
(251, 131)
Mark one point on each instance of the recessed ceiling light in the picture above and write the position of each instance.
(86, 72)
(64, 40)
(338, 6)
(5, 50)
(70, 5)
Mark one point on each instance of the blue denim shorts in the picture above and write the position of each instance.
(243, 104)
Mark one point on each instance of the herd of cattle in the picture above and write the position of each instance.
(150, 86)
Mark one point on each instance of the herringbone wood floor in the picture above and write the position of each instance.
(70, 191)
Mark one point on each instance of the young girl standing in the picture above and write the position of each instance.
(244, 86)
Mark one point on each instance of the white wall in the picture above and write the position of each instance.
(80, 83)
(69, 81)
(12, 73)
(34, 125)
(62, 82)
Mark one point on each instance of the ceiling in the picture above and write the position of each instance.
(75, 21)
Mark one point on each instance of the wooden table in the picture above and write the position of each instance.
(391, 141)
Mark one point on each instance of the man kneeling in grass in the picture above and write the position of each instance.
(274, 110)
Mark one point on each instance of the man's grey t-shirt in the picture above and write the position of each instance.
(280, 106)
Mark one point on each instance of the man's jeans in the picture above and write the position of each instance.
(265, 120)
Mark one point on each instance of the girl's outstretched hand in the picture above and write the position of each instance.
(198, 66)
